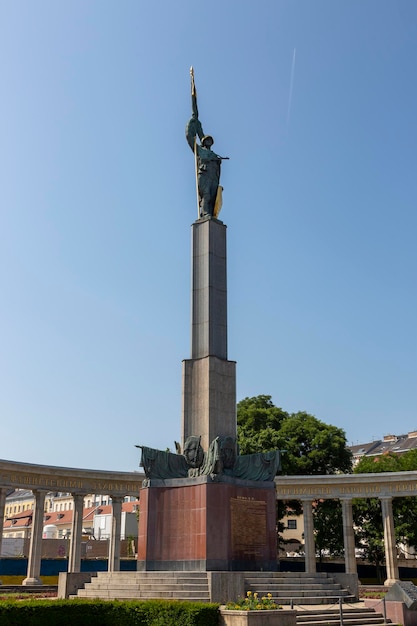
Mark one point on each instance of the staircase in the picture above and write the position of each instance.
(331, 617)
(146, 585)
(297, 587)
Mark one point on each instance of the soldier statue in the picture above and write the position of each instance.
(207, 162)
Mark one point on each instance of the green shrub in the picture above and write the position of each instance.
(107, 613)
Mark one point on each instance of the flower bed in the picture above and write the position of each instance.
(255, 611)
(252, 602)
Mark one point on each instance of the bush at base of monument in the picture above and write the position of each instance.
(108, 613)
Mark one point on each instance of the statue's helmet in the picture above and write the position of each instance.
(207, 138)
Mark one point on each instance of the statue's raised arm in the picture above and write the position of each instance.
(207, 162)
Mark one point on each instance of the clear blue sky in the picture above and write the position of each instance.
(97, 195)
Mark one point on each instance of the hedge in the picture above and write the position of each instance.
(108, 613)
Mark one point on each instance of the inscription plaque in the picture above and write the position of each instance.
(249, 528)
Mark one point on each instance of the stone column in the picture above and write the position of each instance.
(348, 536)
(208, 379)
(389, 541)
(116, 526)
(3, 492)
(35, 549)
(309, 544)
(74, 560)
(2, 505)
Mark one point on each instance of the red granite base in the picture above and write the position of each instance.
(207, 526)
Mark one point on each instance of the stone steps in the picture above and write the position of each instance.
(331, 617)
(296, 587)
(148, 585)
(288, 586)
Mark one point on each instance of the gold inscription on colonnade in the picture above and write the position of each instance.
(362, 490)
(41, 481)
(248, 527)
(69, 484)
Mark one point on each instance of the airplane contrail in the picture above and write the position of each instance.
(291, 87)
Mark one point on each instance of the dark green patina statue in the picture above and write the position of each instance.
(222, 458)
(207, 162)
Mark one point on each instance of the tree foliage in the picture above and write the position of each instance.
(311, 446)
(328, 527)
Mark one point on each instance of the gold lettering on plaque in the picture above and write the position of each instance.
(249, 533)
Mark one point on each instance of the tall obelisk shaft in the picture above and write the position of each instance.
(209, 379)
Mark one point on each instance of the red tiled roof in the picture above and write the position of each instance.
(65, 517)
(18, 522)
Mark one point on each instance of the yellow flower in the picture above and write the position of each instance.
(269, 595)
(255, 595)
(249, 593)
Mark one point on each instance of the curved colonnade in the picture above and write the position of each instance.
(79, 482)
(346, 487)
(41, 479)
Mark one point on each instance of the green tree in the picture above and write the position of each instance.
(311, 446)
(258, 425)
(328, 527)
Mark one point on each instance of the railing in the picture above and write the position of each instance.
(341, 601)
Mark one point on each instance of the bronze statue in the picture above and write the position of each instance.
(193, 452)
(207, 162)
(222, 458)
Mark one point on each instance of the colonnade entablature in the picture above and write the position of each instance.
(338, 486)
(14, 475)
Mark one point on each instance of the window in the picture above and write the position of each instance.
(292, 524)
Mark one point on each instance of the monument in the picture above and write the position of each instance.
(206, 507)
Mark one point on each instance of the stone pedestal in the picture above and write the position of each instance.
(197, 524)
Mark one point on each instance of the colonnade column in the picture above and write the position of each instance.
(116, 527)
(2, 506)
(35, 549)
(309, 545)
(389, 541)
(74, 561)
(348, 536)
